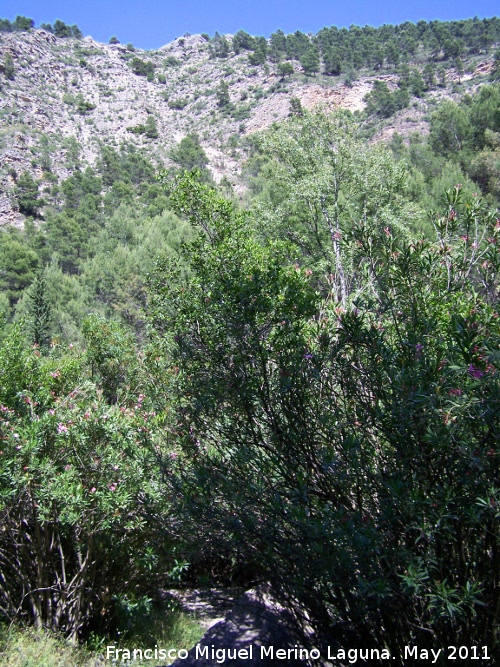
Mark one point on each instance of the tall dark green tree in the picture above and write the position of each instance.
(259, 55)
(429, 75)
(18, 264)
(277, 46)
(220, 46)
(296, 45)
(242, 41)
(310, 61)
(189, 154)
(76, 32)
(26, 194)
(449, 129)
(332, 62)
(495, 71)
(6, 25)
(61, 29)
(392, 53)
(285, 69)
(150, 127)
(23, 23)
(223, 99)
(39, 309)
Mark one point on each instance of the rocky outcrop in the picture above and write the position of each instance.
(82, 89)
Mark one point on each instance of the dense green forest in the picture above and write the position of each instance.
(297, 386)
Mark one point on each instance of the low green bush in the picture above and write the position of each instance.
(178, 104)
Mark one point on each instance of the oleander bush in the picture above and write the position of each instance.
(344, 451)
(79, 488)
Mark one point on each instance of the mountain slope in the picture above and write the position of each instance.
(67, 97)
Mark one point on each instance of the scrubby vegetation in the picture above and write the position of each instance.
(299, 386)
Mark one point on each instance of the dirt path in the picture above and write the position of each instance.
(209, 605)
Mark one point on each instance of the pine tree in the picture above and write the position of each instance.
(310, 61)
(332, 62)
(150, 128)
(392, 54)
(285, 69)
(23, 23)
(223, 99)
(189, 154)
(26, 194)
(61, 29)
(40, 311)
(459, 68)
(259, 55)
(495, 72)
(76, 32)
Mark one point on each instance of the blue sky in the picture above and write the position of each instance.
(149, 24)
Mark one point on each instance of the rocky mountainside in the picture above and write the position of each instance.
(64, 98)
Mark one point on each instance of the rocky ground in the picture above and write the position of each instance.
(209, 605)
(253, 620)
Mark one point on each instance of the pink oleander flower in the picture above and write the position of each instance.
(62, 428)
(112, 487)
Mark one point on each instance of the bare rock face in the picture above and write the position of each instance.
(88, 94)
(8, 215)
(249, 636)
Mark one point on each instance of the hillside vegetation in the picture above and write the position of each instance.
(249, 330)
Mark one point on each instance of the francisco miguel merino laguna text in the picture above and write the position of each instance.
(352, 655)
(220, 655)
